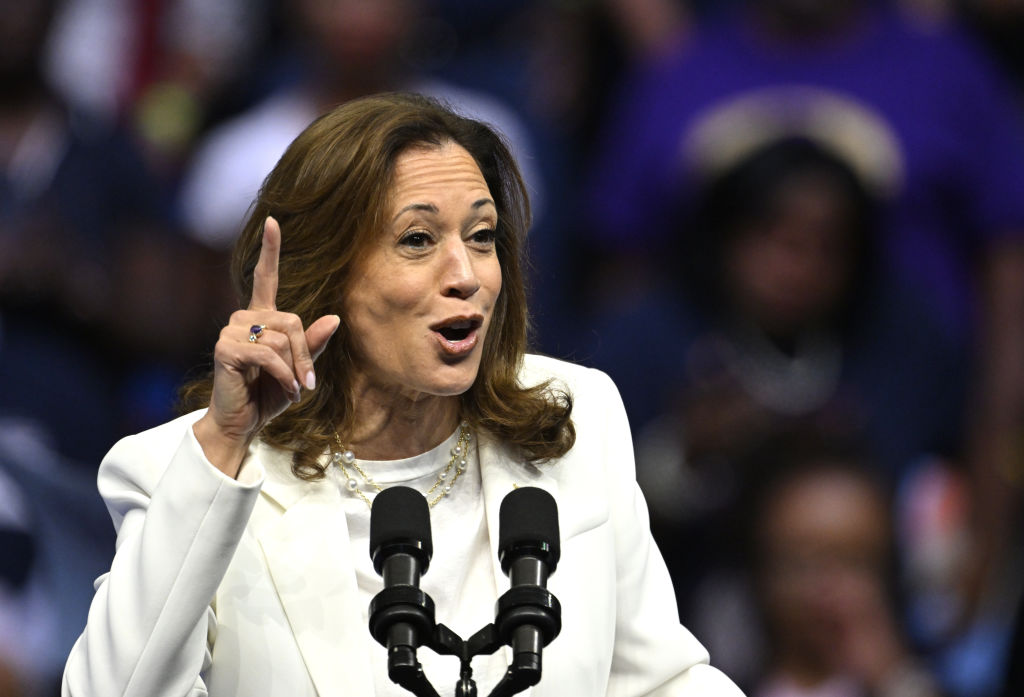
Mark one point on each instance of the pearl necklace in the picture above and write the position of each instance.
(345, 458)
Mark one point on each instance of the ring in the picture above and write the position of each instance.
(255, 332)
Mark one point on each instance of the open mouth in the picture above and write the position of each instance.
(459, 331)
(454, 333)
(457, 328)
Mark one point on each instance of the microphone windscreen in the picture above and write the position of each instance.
(529, 517)
(400, 515)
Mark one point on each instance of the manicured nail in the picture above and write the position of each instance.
(310, 381)
(295, 388)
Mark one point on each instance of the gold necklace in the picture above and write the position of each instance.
(345, 458)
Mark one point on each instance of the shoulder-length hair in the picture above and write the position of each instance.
(330, 193)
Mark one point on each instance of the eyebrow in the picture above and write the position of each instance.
(431, 208)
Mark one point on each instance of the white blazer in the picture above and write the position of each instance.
(245, 588)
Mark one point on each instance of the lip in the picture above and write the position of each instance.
(463, 346)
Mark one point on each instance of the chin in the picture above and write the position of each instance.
(455, 380)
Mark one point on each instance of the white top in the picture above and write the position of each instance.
(459, 580)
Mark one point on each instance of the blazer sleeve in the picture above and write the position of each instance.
(654, 655)
(178, 522)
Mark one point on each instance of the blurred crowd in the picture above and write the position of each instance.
(792, 231)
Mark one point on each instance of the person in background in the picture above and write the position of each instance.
(821, 559)
(92, 273)
(778, 321)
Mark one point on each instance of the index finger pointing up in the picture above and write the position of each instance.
(264, 276)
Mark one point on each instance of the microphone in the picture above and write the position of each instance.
(401, 615)
(528, 616)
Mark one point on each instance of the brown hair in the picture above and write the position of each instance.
(329, 192)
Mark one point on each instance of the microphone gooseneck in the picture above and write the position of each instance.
(528, 616)
(401, 615)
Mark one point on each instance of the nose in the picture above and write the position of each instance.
(459, 277)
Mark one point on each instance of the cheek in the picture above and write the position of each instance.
(391, 302)
(493, 284)
(492, 278)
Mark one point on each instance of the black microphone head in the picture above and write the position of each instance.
(528, 524)
(400, 522)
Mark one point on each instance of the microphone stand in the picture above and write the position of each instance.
(521, 674)
(447, 643)
(527, 616)
(405, 670)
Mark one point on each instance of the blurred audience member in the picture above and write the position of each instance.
(778, 319)
(91, 280)
(19, 628)
(933, 513)
(777, 323)
(55, 542)
(848, 71)
(168, 68)
(196, 60)
(822, 560)
(91, 54)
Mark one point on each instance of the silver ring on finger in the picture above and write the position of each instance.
(255, 332)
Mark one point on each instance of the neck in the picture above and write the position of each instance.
(396, 426)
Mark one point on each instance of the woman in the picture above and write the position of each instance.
(241, 566)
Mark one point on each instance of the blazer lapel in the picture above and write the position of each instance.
(307, 551)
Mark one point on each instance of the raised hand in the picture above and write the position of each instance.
(262, 360)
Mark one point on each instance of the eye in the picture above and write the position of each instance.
(415, 239)
(484, 237)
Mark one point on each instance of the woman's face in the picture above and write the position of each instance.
(421, 302)
(792, 272)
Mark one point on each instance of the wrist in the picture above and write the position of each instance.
(224, 451)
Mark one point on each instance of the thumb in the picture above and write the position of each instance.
(320, 332)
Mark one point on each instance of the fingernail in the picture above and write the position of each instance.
(310, 380)
(295, 388)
